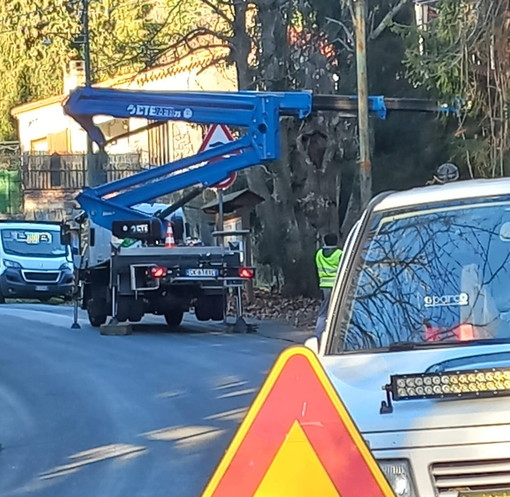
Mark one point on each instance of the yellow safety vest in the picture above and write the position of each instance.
(327, 267)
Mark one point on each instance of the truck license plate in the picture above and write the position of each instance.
(200, 273)
(42, 288)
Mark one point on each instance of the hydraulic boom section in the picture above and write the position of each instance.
(258, 113)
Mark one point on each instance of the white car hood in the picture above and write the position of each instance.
(359, 379)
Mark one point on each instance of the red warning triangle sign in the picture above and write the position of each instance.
(217, 134)
(298, 440)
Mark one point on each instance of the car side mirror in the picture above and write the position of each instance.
(313, 344)
(65, 235)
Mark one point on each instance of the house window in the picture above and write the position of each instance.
(58, 142)
(39, 145)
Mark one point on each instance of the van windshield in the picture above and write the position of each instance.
(434, 276)
(32, 242)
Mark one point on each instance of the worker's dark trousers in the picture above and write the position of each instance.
(323, 312)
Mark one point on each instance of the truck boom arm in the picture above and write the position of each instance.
(257, 112)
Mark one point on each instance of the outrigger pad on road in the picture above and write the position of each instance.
(116, 329)
(241, 326)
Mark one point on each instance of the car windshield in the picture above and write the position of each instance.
(32, 243)
(433, 276)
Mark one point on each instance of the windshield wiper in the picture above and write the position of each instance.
(396, 346)
(453, 343)
(405, 346)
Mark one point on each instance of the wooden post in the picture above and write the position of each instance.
(365, 165)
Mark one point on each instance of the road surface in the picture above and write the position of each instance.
(145, 415)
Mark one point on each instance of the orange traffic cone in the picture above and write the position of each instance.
(169, 239)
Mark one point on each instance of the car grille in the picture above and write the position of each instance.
(46, 277)
(475, 476)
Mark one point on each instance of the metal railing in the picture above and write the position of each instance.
(42, 172)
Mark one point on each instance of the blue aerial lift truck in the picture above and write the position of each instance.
(153, 278)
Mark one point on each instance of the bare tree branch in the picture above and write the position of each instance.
(217, 11)
(387, 19)
(193, 35)
(345, 29)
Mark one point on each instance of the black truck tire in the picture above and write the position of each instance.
(129, 309)
(217, 303)
(173, 317)
(202, 309)
(96, 311)
(210, 307)
(2, 298)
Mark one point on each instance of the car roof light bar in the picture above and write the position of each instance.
(463, 384)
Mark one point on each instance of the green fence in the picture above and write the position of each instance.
(10, 191)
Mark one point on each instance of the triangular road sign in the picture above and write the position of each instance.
(298, 440)
(217, 134)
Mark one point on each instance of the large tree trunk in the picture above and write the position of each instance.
(241, 45)
(302, 189)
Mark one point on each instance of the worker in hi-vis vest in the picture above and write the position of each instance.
(327, 260)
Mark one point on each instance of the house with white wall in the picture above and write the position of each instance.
(44, 130)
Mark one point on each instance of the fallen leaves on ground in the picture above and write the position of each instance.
(300, 312)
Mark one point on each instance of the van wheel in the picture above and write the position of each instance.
(174, 317)
(2, 298)
(96, 313)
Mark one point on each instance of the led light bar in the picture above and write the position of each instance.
(466, 384)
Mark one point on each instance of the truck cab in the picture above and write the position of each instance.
(33, 262)
(418, 337)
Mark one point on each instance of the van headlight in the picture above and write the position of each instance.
(398, 474)
(12, 264)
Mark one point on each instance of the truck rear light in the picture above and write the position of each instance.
(246, 273)
(158, 272)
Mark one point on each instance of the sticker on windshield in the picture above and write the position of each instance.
(33, 237)
(446, 300)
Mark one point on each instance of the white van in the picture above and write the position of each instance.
(33, 262)
(418, 337)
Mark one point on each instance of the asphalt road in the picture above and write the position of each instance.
(144, 415)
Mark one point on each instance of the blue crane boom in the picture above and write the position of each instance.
(258, 113)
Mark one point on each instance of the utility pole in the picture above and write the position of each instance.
(365, 164)
(91, 163)
(86, 41)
